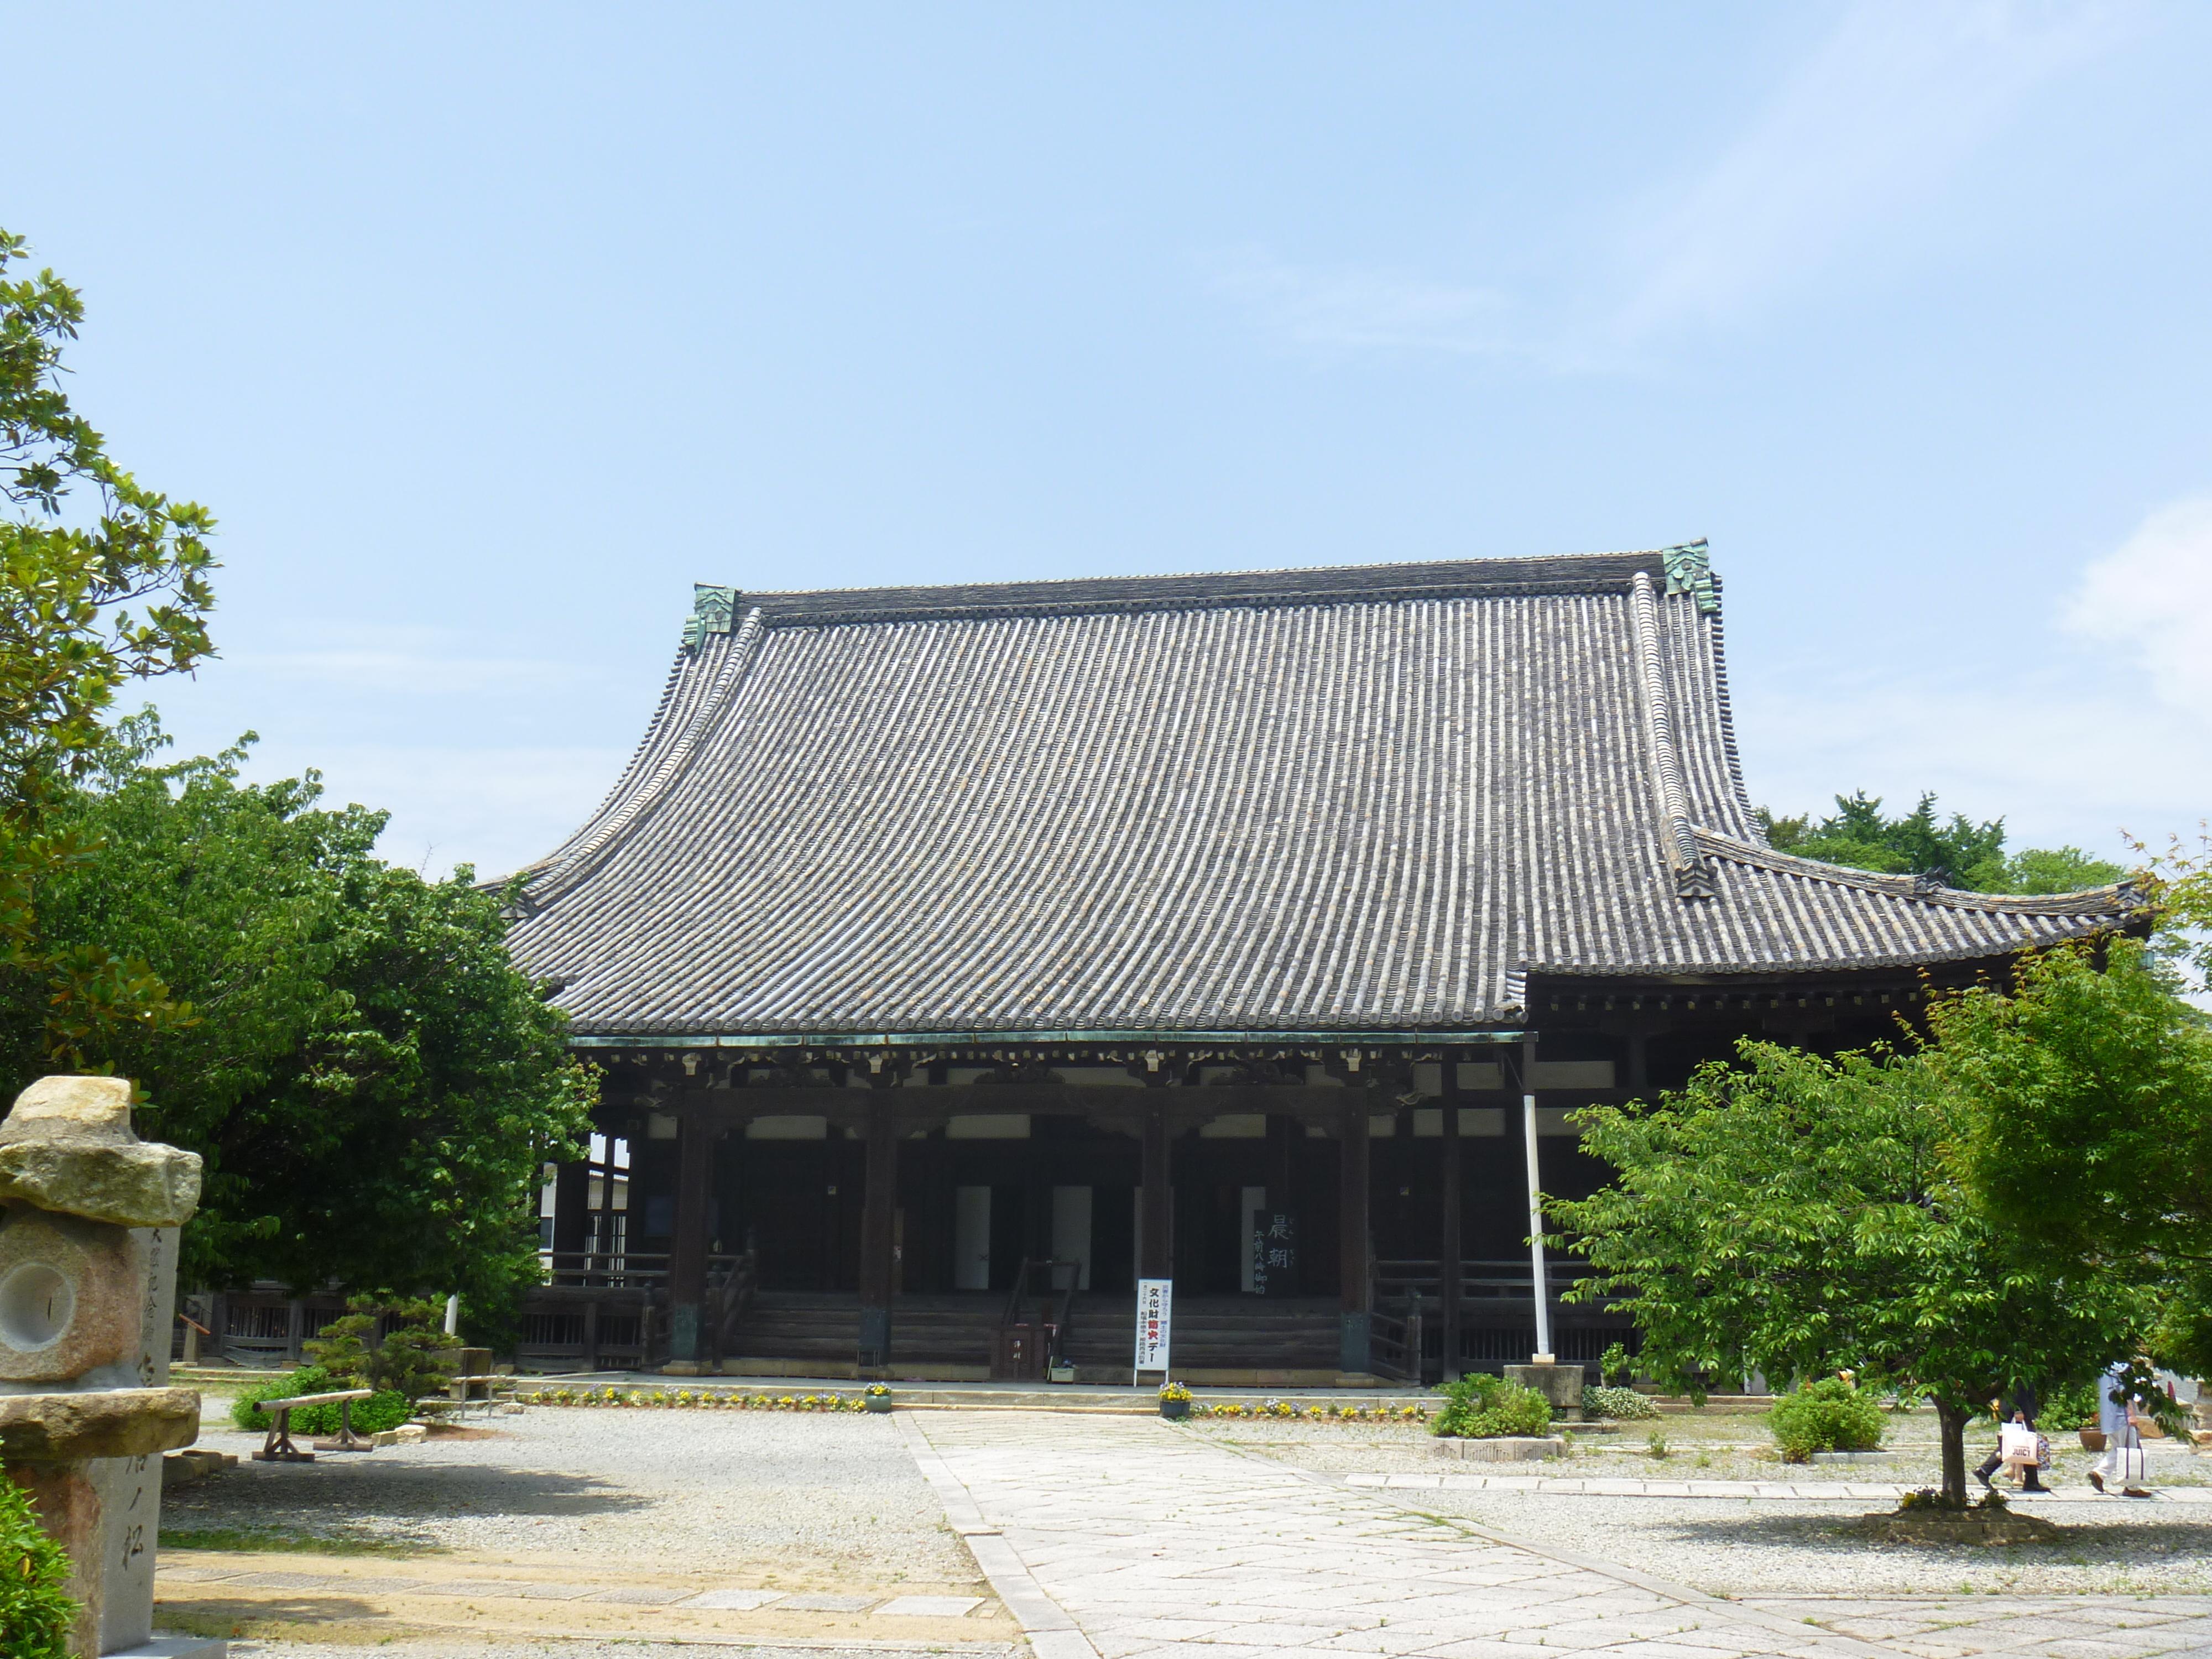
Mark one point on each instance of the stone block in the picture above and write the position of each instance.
(69, 1296)
(67, 1146)
(51, 1428)
(1560, 1384)
(1504, 1449)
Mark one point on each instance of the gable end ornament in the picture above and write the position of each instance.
(714, 611)
(1689, 569)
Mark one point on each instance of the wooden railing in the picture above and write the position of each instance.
(1479, 1280)
(727, 1298)
(1394, 1343)
(1055, 1309)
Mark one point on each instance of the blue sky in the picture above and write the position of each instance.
(486, 332)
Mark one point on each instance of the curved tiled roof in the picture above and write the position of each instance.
(1367, 799)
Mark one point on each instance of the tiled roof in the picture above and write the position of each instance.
(1369, 799)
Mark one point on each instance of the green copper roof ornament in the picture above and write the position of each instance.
(1690, 570)
(714, 611)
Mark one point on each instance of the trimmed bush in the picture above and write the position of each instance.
(1480, 1406)
(1622, 1405)
(34, 1615)
(381, 1411)
(1828, 1415)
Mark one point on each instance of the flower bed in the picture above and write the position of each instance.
(693, 1399)
(1290, 1410)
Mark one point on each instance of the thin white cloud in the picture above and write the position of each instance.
(2064, 755)
(496, 808)
(1347, 309)
(422, 660)
(1877, 120)
(2151, 598)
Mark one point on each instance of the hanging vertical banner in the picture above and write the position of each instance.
(1155, 1303)
(1275, 1253)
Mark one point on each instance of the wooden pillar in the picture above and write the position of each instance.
(1156, 1252)
(878, 1236)
(1448, 1249)
(687, 1262)
(572, 1194)
(1355, 1348)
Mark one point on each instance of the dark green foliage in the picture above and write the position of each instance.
(2085, 1104)
(1613, 1366)
(1481, 1405)
(372, 1083)
(103, 581)
(34, 1614)
(1794, 1215)
(1959, 853)
(381, 1411)
(1621, 1405)
(2068, 1406)
(415, 1360)
(1826, 1415)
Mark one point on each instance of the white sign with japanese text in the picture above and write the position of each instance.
(1155, 1303)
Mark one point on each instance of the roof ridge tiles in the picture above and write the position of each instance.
(1365, 584)
(2117, 900)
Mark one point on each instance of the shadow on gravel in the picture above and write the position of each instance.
(2086, 1543)
(364, 1499)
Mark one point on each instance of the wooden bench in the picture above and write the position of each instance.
(279, 1447)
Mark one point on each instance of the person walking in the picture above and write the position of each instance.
(2020, 1448)
(2117, 1418)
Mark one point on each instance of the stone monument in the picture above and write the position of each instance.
(88, 1221)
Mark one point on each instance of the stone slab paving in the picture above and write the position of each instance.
(1857, 1490)
(1128, 1539)
(1149, 1538)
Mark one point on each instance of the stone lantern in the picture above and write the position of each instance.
(88, 1221)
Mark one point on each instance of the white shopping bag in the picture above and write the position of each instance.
(2017, 1443)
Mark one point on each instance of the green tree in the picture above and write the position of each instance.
(1958, 853)
(372, 1083)
(103, 581)
(2083, 1096)
(1793, 1215)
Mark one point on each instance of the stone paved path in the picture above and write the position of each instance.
(1129, 1539)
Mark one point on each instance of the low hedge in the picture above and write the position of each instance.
(1827, 1415)
(381, 1411)
(35, 1616)
(1621, 1405)
(1481, 1406)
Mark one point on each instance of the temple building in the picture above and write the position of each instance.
(957, 956)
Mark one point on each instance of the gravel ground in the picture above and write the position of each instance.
(797, 1501)
(1771, 1546)
(1762, 1547)
(1733, 1446)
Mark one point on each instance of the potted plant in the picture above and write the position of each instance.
(1174, 1401)
(877, 1397)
